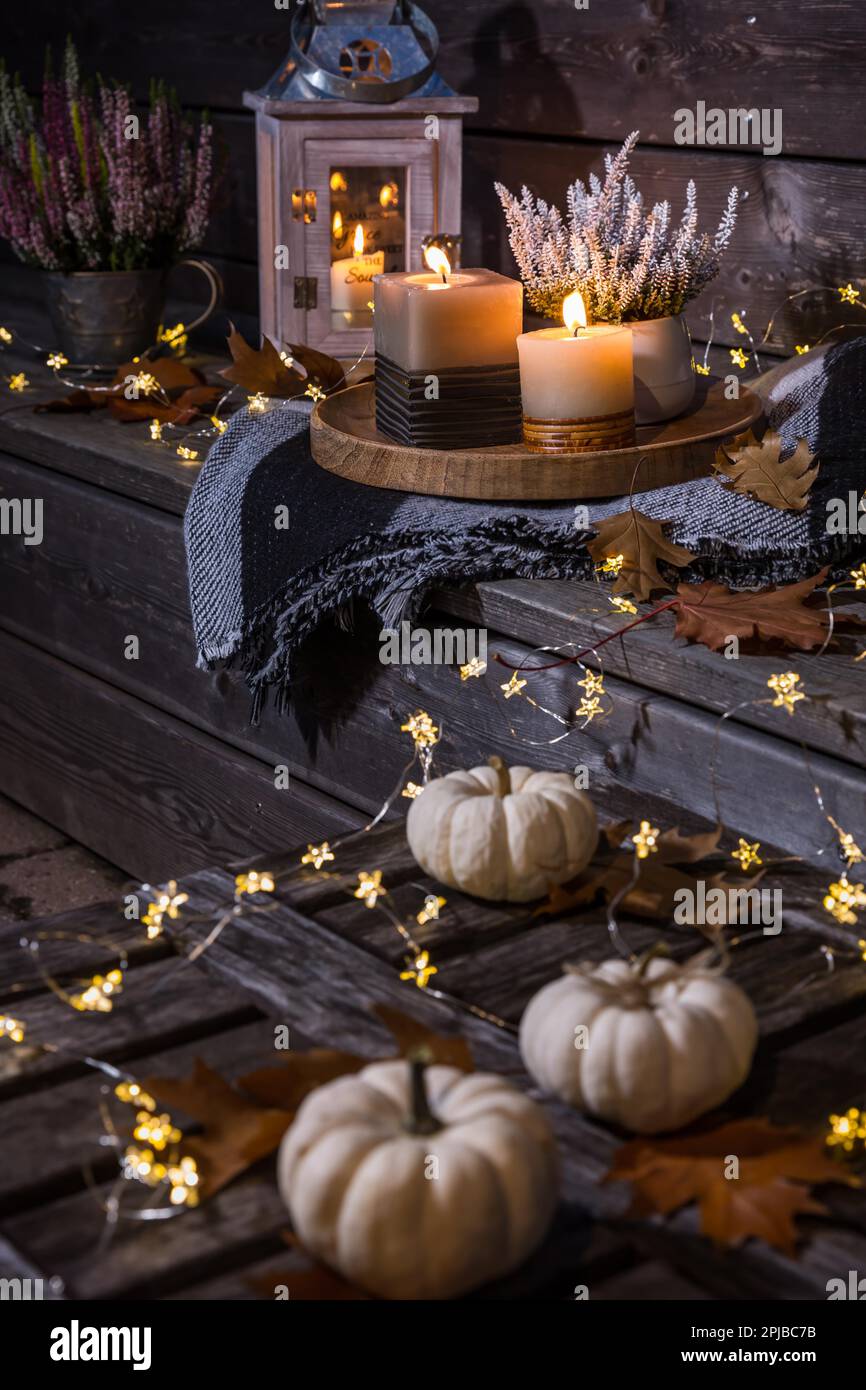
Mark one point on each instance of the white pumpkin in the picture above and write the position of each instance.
(356, 1170)
(663, 1043)
(502, 833)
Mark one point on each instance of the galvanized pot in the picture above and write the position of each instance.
(105, 316)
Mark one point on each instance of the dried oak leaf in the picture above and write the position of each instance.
(236, 1132)
(643, 545)
(192, 402)
(263, 370)
(286, 1085)
(755, 467)
(409, 1034)
(777, 1166)
(711, 614)
(674, 848)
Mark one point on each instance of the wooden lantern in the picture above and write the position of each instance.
(359, 162)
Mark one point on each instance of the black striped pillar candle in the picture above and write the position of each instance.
(447, 375)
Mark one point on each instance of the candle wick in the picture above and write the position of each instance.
(444, 277)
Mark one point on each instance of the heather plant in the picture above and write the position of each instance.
(628, 263)
(88, 184)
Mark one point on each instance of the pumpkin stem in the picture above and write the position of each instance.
(502, 773)
(420, 1119)
(659, 949)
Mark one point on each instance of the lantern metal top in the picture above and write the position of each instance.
(374, 52)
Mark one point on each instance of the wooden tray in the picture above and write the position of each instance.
(344, 440)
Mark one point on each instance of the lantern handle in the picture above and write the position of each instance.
(347, 88)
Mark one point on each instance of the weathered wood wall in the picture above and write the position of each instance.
(557, 86)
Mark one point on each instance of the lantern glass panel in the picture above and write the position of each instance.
(367, 221)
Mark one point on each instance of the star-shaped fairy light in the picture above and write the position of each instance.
(611, 564)
(859, 576)
(146, 383)
(18, 382)
(411, 790)
(168, 904)
(700, 368)
(11, 1028)
(512, 686)
(848, 294)
(190, 455)
(317, 855)
(5, 335)
(175, 337)
(785, 687)
(849, 849)
(430, 910)
(738, 357)
(421, 730)
(254, 882)
(98, 996)
(131, 1093)
(588, 708)
(419, 969)
(646, 840)
(622, 605)
(801, 348)
(257, 403)
(747, 854)
(475, 667)
(315, 392)
(56, 360)
(219, 425)
(842, 898)
(593, 682)
(156, 1130)
(156, 430)
(370, 887)
(738, 324)
(847, 1131)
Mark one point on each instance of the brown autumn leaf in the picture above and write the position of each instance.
(286, 1085)
(181, 394)
(653, 896)
(409, 1034)
(756, 468)
(643, 545)
(184, 408)
(237, 1132)
(675, 848)
(777, 1166)
(263, 370)
(712, 613)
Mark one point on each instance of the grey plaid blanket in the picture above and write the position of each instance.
(276, 546)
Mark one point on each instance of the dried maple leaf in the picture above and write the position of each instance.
(643, 545)
(711, 614)
(263, 370)
(761, 1201)
(674, 848)
(409, 1034)
(318, 1283)
(299, 1073)
(237, 1132)
(755, 467)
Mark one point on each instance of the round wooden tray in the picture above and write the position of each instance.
(344, 440)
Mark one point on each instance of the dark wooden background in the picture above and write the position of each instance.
(558, 86)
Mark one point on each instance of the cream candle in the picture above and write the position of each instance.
(352, 277)
(446, 355)
(577, 385)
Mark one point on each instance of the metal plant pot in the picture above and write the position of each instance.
(105, 316)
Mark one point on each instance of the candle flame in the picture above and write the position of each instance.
(358, 243)
(437, 261)
(337, 224)
(574, 311)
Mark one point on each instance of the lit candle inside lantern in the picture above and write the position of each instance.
(352, 277)
(446, 355)
(577, 384)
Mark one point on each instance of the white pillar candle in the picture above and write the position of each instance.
(577, 374)
(352, 277)
(425, 321)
